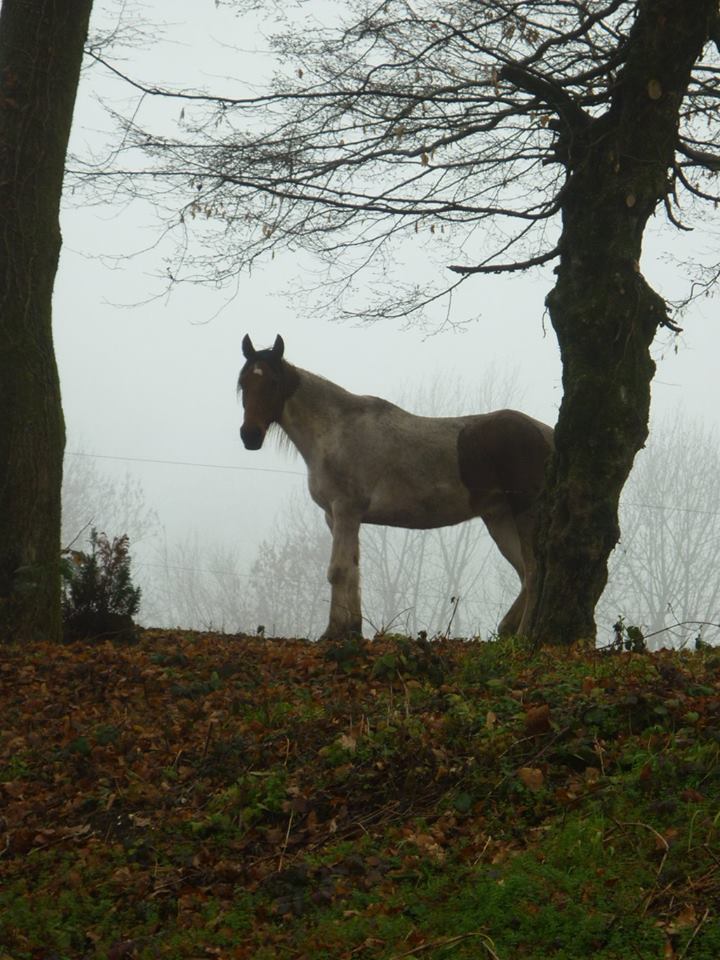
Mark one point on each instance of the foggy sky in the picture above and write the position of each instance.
(157, 380)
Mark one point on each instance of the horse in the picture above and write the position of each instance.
(369, 461)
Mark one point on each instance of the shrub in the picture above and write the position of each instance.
(99, 598)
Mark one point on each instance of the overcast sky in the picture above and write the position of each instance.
(156, 381)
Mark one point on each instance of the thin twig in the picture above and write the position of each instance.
(701, 921)
(450, 942)
(77, 536)
(207, 738)
(660, 837)
(287, 838)
(455, 601)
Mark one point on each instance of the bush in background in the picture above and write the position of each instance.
(99, 598)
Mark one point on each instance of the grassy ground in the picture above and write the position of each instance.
(211, 796)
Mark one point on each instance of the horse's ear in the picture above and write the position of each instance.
(278, 348)
(247, 347)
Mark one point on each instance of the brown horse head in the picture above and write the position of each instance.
(263, 383)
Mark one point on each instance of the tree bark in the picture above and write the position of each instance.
(603, 311)
(41, 48)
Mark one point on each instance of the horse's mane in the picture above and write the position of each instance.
(281, 440)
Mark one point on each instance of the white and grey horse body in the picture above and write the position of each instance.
(369, 461)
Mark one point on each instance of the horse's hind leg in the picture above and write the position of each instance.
(344, 575)
(504, 531)
(525, 524)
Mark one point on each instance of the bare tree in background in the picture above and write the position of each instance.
(92, 498)
(529, 131)
(666, 571)
(409, 580)
(449, 578)
(291, 594)
(409, 577)
(197, 587)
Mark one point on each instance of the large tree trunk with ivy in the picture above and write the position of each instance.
(604, 312)
(41, 48)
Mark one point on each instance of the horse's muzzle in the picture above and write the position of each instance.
(252, 437)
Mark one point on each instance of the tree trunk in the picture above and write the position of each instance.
(41, 48)
(604, 313)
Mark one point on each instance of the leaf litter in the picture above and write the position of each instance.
(202, 795)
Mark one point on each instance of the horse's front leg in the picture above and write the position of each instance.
(344, 575)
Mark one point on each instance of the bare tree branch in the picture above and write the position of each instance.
(453, 113)
(509, 267)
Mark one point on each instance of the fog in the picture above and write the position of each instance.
(148, 376)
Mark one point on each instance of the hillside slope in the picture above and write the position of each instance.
(215, 796)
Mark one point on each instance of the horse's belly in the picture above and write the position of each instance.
(437, 507)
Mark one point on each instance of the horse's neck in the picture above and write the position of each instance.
(312, 409)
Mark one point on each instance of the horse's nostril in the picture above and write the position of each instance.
(252, 437)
